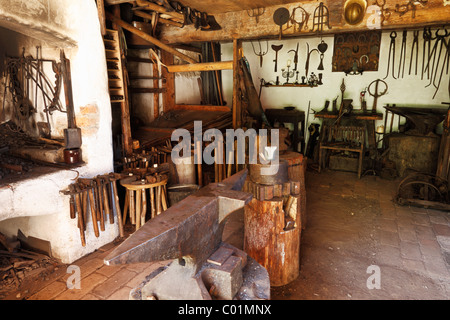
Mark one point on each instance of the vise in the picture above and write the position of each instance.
(190, 234)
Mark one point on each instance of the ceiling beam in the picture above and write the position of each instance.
(239, 25)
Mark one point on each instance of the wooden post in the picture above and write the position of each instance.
(265, 240)
(155, 95)
(144, 207)
(169, 95)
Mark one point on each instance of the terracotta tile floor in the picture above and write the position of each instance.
(352, 224)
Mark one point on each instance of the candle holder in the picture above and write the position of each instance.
(287, 74)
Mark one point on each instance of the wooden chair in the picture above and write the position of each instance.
(342, 138)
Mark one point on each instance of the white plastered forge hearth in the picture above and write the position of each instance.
(34, 204)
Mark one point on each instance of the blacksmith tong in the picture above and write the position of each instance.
(393, 35)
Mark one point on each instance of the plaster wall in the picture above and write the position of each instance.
(35, 206)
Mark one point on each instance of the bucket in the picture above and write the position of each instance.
(179, 192)
(183, 173)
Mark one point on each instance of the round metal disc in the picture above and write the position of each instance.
(281, 16)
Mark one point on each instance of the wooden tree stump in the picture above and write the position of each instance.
(267, 241)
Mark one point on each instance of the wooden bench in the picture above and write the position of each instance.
(342, 138)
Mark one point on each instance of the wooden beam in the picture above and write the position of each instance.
(101, 16)
(432, 13)
(154, 7)
(155, 74)
(148, 38)
(201, 107)
(147, 90)
(145, 15)
(207, 66)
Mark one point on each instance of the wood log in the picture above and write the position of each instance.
(266, 241)
(148, 38)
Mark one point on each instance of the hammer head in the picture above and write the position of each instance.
(72, 138)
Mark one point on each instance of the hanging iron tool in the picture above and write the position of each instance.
(322, 47)
(426, 47)
(341, 107)
(256, 13)
(321, 18)
(440, 39)
(308, 54)
(276, 48)
(295, 57)
(401, 9)
(401, 64)
(385, 14)
(415, 44)
(72, 135)
(280, 17)
(445, 62)
(261, 53)
(393, 35)
(376, 93)
(302, 20)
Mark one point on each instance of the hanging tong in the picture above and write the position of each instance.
(426, 47)
(415, 44)
(444, 62)
(440, 39)
(401, 64)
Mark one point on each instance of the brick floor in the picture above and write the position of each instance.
(411, 246)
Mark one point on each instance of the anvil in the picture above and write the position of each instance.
(188, 232)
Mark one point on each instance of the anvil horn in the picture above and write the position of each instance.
(191, 228)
